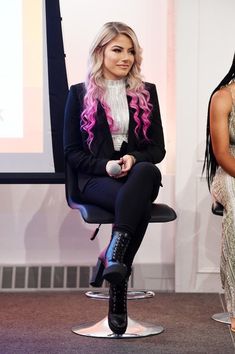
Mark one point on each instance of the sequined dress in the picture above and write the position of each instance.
(223, 190)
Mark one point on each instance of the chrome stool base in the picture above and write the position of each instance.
(222, 317)
(134, 330)
(131, 295)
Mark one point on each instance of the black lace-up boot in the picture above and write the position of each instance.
(110, 264)
(117, 316)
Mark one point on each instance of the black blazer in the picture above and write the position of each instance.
(88, 163)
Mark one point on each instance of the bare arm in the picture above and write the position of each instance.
(221, 106)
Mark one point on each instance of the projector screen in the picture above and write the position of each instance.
(25, 128)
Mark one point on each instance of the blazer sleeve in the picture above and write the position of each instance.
(153, 151)
(75, 147)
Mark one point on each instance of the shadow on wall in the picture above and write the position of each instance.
(74, 239)
(212, 232)
(197, 247)
(56, 234)
(187, 234)
(211, 241)
(8, 219)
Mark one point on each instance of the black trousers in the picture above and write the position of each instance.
(129, 198)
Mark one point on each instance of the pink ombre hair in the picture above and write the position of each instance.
(95, 83)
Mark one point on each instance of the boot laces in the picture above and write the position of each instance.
(120, 247)
(118, 297)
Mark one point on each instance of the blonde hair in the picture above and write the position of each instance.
(95, 83)
(96, 54)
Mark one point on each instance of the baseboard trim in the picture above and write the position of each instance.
(21, 278)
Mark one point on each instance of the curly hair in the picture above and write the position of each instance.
(95, 83)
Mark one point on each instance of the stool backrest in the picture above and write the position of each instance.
(71, 187)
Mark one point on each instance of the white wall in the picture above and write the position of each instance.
(205, 49)
(37, 227)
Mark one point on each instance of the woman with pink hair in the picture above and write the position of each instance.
(113, 138)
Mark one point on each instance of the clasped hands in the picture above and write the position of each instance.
(126, 162)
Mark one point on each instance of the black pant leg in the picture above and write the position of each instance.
(140, 188)
(137, 239)
(130, 199)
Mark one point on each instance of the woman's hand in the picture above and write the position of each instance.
(128, 162)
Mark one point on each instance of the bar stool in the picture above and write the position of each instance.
(93, 214)
(223, 317)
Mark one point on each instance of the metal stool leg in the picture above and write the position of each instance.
(101, 330)
(222, 317)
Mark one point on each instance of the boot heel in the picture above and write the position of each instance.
(115, 273)
(97, 275)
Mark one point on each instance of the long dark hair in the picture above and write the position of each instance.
(210, 163)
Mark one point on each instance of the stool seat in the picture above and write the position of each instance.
(217, 208)
(93, 214)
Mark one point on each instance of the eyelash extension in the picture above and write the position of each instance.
(119, 50)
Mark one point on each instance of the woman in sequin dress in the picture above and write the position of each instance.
(220, 166)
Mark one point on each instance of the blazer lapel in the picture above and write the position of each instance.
(103, 138)
(132, 125)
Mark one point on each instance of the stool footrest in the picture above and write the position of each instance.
(131, 294)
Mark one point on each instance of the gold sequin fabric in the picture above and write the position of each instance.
(223, 190)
